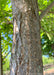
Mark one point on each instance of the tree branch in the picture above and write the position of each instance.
(46, 10)
(6, 55)
(10, 22)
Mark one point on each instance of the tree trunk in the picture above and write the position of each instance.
(0, 53)
(26, 56)
(1, 71)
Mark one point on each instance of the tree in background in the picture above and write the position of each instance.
(1, 67)
(5, 30)
(26, 50)
(0, 54)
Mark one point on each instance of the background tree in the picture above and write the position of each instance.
(6, 29)
(0, 56)
(47, 25)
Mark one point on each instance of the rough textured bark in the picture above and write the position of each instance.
(26, 56)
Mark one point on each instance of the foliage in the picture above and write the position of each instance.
(7, 64)
(47, 28)
(6, 30)
(47, 60)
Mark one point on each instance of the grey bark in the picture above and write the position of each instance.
(26, 58)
